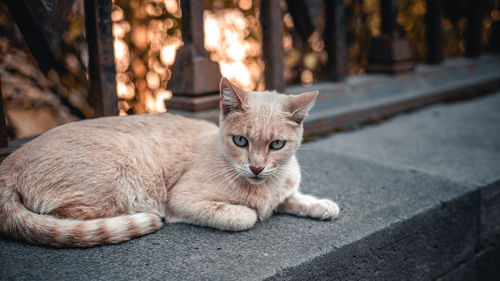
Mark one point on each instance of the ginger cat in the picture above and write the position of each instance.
(108, 180)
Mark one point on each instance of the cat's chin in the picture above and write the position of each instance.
(255, 180)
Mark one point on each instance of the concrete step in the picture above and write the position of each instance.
(419, 198)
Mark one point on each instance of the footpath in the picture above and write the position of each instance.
(419, 196)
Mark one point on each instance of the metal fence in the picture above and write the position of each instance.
(195, 77)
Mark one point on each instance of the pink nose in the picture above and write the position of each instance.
(256, 170)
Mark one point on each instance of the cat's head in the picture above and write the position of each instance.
(260, 131)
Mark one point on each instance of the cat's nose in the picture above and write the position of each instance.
(256, 170)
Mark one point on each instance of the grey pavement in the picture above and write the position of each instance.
(419, 197)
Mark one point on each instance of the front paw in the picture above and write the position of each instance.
(239, 218)
(324, 209)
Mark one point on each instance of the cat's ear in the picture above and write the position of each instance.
(231, 97)
(299, 105)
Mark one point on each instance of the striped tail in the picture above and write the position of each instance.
(18, 222)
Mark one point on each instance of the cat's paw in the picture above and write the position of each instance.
(324, 209)
(240, 218)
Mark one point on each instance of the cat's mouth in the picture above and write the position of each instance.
(255, 180)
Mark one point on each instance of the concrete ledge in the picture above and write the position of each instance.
(421, 248)
(13, 145)
(483, 266)
(419, 199)
(490, 217)
(369, 98)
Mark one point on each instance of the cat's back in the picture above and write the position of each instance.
(137, 125)
(101, 138)
(113, 129)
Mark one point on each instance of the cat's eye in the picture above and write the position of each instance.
(277, 144)
(240, 141)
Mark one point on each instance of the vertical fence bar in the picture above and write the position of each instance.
(494, 40)
(3, 126)
(193, 73)
(272, 44)
(301, 18)
(102, 72)
(390, 52)
(389, 14)
(434, 31)
(335, 39)
(192, 24)
(195, 78)
(473, 29)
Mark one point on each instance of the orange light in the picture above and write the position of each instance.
(226, 33)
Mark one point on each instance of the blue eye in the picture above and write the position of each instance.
(240, 140)
(277, 144)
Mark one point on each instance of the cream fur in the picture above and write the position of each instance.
(110, 179)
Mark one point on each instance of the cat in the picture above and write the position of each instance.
(107, 180)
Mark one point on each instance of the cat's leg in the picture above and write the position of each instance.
(220, 215)
(309, 206)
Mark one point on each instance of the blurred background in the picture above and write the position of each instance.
(147, 34)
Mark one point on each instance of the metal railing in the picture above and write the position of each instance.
(195, 77)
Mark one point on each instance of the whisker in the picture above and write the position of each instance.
(228, 176)
(237, 176)
(304, 185)
(305, 172)
(218, 173)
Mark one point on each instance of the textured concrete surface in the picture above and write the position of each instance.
(490, 217)
(419, 197)
(421, 248)
(458, 141)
